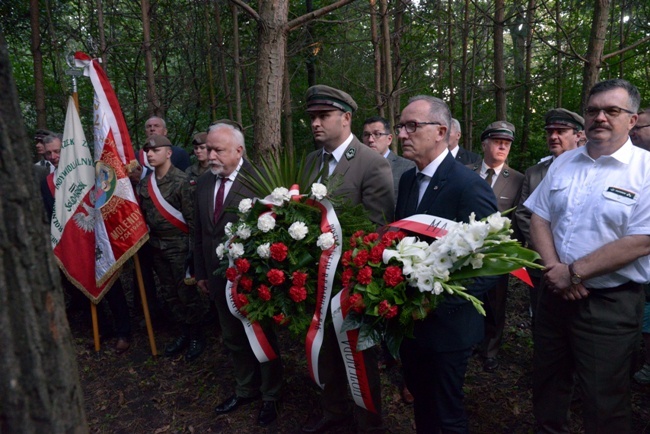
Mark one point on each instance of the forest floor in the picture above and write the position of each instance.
(137, 393)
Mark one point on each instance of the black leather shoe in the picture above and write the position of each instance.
(268, 413)
(491, 364)
(325, 423)
(177, 346)
(232, 403)
(196, 348)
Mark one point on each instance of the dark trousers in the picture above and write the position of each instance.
(335, 399)
(495, 316)
(595, 338)
(436, 381)
(251, 376)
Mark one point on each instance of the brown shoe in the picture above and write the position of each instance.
(122, 345)
(407, 397)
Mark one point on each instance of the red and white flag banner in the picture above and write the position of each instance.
(353, 360)
(120, 228)
(73, 220)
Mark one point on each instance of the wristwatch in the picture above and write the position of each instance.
(576, 279)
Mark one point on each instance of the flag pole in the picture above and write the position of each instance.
(75, 72)
(145, 306)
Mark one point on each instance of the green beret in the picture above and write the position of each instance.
(156, 141)
(563, 118)
(499, 130)
(326, 98)
(199, 139)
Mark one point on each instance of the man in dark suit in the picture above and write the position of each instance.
(461, 154)
(564, 129)
(435, 360)
(223, 183)
(506, 184)
(377, 136)
(365, 178)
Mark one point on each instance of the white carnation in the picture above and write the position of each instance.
(280, 195)
(264, 251)
(298, 230)
(245, 205)
(229, 229)
(244, 231)
(325, 241)
(236, 250)
(221, 251)
(265, 222)
(318, 190)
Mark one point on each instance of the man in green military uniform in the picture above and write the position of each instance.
(201, 153)
(166, 197)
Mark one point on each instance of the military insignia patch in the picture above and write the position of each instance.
(349, 154)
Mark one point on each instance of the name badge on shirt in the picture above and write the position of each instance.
(620, 195)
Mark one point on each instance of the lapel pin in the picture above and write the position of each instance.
(506, 173)
(349, 154)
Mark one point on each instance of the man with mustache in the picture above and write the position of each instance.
(216, 192)
(591, 226)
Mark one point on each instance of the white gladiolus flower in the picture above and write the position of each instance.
(437, 288)
(474, 235)
(318, 190)
(477, 260)
(325, 241)
(245, 205)
(298, 230)
(265, 222)
(236, 250)
(244, 231)
(229, 229)
(264, 251)
(221, 251)
(280, 195)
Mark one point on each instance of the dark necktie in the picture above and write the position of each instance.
(218, 201)
(420, 178)
(327, 157)
(490, 175)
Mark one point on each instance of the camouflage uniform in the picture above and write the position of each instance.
(194, 171)
(170, 245)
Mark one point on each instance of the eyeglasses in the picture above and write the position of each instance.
(638, 127)
(412, 126)
(610, 112)
(377, 135)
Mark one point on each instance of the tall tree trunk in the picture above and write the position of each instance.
(37, 54)
(237, 72)
(102, 34)
(39, 382)
(287, 114)
(595, 48)
(499, 71)
(222, 61)
(374, 35)
(530, 22)
(310, 61)
(450, 55)
(208, 38)
(387, 62)
(398, 24)
(153, 103)
(558, 61)
(465, 121)
(270, 75)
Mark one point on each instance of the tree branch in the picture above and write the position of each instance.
(293, 24)
(629, 47)
(248, 9)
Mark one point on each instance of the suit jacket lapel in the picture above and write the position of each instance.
(501, 182)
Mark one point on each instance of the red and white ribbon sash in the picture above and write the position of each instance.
(353, 361)
(171, 214)
(254, 332)
(424, 224)
(50, 183)
(327, 264)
